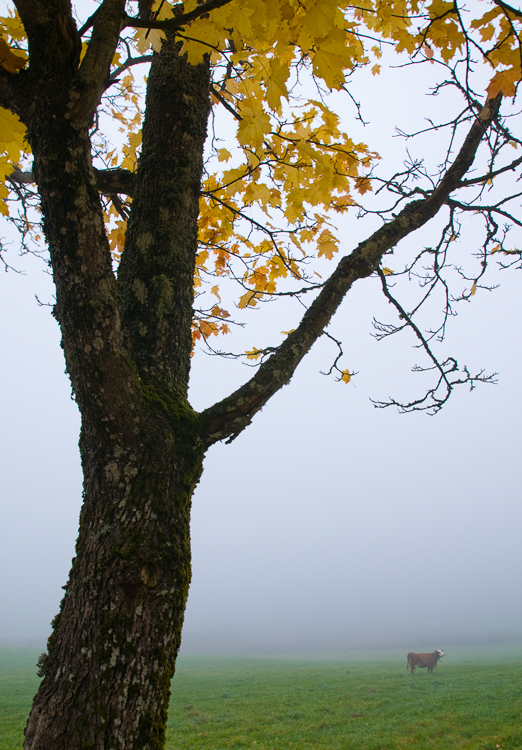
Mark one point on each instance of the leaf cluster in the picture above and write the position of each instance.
(274, 185)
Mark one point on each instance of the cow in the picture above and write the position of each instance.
(424, 660)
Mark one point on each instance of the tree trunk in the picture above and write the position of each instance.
(112, 653)
(111, 656)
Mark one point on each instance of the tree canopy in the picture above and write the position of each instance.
(270, 196)
(179, 165)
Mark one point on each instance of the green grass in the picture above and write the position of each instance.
(356, 701)
(368, 703)
(18, 684)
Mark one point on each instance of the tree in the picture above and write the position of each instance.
(134, 230)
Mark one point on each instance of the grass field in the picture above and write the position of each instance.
(354, 701)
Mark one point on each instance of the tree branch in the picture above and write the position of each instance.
(156, 273)
(224, 102)
(129, 63)
(89, 22)
(494, 173)
(508, 8)
(115, 181)
(173, 24)
(449, 374)
(94, 72)
(229, 417)
(53, 44)
(32, 13)
(109, 181)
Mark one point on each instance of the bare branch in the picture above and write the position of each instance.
(128, 64)
(491, 175)
(89, 23)
(434, 399)
(224, 102)
(229, 417)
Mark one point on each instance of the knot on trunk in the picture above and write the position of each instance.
(150, 575)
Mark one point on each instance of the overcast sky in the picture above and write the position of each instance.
(328, 523)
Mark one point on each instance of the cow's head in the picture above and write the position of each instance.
(440, 653)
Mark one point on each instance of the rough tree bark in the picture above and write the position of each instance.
(127, 341)
(127, 346)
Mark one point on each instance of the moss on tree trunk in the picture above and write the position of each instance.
(127, 343)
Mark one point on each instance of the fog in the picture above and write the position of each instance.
(331, 524)
(328, 524)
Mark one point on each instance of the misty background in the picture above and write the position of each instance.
(328, 524)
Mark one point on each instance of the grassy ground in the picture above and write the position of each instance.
(18, 684)
(356, 701)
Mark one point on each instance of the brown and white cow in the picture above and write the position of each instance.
(424, 660)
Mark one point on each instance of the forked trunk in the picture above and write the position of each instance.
(127, 344)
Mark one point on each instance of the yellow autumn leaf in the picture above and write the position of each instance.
(440, 8)
(487, 32)
(473, 288)
(116, 238)
(205, 34)
(346, 376)
(363, 185)
(4, 194)
(238, 16)
(332, 56)
(247, 300)
(224, 155)
(219, 312)
(10, 61)
(12, 134)
(486, 18)
(254, 353)
(253, 128)
(144, 39)
(319, 16)
(276, 84)
(343, 204)
(163, 10)
(12, 145)
(504, 82)
(287, 333)
(257, 191)
(327, 244)
(387, 271)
